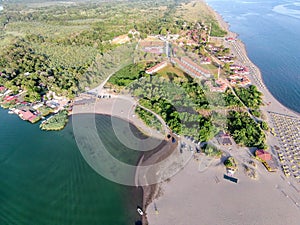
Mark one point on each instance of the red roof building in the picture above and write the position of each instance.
(10, 98)
(266, 159)
(2, 88)
(156, 68)
(230, 39)
(191, 67)
(206, 60)
(263, 155)
(27, 115)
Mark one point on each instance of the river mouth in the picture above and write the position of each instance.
(45, 180)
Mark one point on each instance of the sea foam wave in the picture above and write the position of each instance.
(285, 10)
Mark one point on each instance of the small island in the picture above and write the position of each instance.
(55, 122)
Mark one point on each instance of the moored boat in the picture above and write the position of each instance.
(140, 211)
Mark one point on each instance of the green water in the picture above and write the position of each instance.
(44, 180)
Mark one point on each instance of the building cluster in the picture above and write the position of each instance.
(190, 38)
(205, 60)
(243, 70)
(219, 85)
(240, 80)
(239, 76)
(190, 67)
(213, 49)
(226, 58)
(193, 37)
(28, 115)
(155, 47)
(157, 67)
(32, 112)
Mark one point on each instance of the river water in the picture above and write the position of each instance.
(45, 180)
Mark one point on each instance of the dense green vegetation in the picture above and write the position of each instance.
(230, 163)
(149, 119)
(224, 99)
(264, 125)
(250, 96)
(197, 126)
(231, 99)
(176, 100)
(28, 70)
(212, 151)
(216, 31)
(55, 122)
(67, 48)
(128, 74)
(255, 112)
(166, 110)
(196, 94)
(61, 46)
(245, 131)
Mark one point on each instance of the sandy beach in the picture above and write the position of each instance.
(204, 197)
(162, 155)
(200, 195)
(117, 106)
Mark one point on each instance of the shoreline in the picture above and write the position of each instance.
(256, 75)
(171, 198)
(124, 111)
(146, 162)
(151, 192)
(105, 107)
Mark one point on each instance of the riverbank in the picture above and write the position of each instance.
(161, 156)
(33, 160)
(199, 193)
(118, 106)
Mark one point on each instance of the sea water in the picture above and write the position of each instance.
(270, 30)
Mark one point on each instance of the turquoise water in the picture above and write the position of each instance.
(271, 31)
(44, 180)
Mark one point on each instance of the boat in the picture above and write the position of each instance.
(10, 112)
(140, 211)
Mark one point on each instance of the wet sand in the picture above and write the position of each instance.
(148, 166)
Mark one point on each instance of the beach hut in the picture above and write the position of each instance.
(263, 155)
(224, 138)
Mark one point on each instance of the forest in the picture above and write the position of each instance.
(67, 48)
(250, 96)
(245, 131)
(180, 101)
